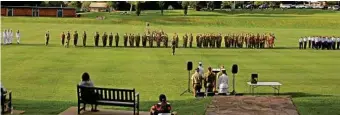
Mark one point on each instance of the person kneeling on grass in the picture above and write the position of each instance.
(90, 96)
(162, 107)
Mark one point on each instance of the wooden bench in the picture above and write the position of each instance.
(110, 96)
(6, 102)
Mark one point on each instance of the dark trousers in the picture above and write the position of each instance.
(104, 42)
(75, 42)
(84, 42)
(313, 44)
(117, 43)
(137, 43)
(62, 41)
(300, 45)
(338, 45)
(144, 43)
(305, 45)
(125, 43)
(96, 42)
(173, 50)
(309, 43)
(110, 42)
(47, 39)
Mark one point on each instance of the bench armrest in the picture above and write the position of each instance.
(137, 96)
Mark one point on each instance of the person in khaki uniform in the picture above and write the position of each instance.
(196, 82)
(191, 39)
(68, 38)
(185, 41)
(117, 39)
(96, 39)
(209, 80)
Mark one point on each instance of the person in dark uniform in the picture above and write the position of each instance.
(125, 37)
(177, 40)
(110, 39)
(104, 39)
(185, 41)
(144, 38)
(75, 38)
(173, 45)
(84, 39)
(96, 39)
(198, 41)
(117, 39)
(62, 38)
(166, 40)
(151, 39)
(47, 37)
(137, 37)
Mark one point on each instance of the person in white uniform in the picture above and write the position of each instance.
(18, 37)
(338, 44)
(300, 43)
(223, 82)
(313, 42)
(201, 70)
(11, 37)
(309, 41)
(304, 43)
(4, 37)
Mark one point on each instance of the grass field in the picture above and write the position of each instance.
(43, 79)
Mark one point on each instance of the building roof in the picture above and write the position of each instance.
(98, 5)
(36, 7)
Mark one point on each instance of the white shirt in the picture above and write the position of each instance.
(11, 34)
(18, 35)
(201, 71)
(309, 38)
(316, 39)
(338, 39)
(4, 34)
(300, 40)
(333, 39)
(223, 81)
(312, 39)
(304, 39)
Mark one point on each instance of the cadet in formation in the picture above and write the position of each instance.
(125, 37)
(185, 40)
(68, 38)
(110, 39)
(137, 37)
(117, 39)
(144, 39)
(75, 38)
(62, 38)
(104, 39)
(96, 39)
(84, 39)
(47, 37)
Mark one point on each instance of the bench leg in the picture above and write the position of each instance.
(78, 108)
(134, 110)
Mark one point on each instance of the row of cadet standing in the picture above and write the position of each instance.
(318, 42)
(7, 36)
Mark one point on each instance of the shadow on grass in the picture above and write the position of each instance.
(40, 107)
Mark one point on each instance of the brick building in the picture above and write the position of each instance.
(36, 11)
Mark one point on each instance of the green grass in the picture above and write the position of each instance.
(43, 79)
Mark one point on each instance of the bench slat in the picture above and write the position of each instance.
(105, 94)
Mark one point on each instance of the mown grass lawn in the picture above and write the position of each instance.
(43, 79)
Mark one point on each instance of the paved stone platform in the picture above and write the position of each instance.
(251, 105)
(74, 111)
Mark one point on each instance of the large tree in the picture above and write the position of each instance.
(226, 4)
(161, 6)
(195, 4)
(53, 3)
(75, 4)
(210, 5)
(85, 5)
(185, 5)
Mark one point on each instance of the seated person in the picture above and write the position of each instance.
(162, 107)
(223, 83)
(7, 107)
(91, 96)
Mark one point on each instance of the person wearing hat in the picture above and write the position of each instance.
(161, 107)
(47, 37)
(217, 76)
(209, 80)
(201, 69)
(196, 82)
(223, 81)
(173, 46)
